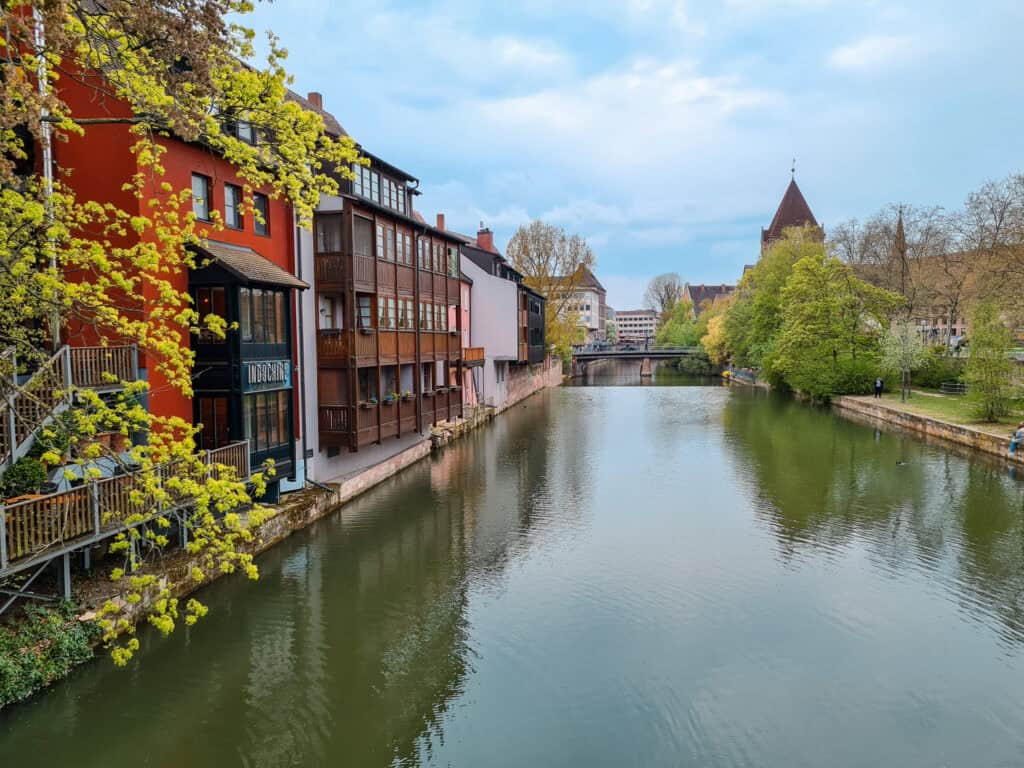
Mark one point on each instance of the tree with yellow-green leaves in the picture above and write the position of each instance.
(178, 69)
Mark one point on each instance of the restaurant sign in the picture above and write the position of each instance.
(266, 374)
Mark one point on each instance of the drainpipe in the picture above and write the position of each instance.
(39, 35)
(302, 344)
(417, 379)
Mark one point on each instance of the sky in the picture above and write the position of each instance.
(663, 131)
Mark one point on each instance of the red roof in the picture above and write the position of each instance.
(793, 212)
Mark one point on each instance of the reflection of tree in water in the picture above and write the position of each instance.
(823, 483)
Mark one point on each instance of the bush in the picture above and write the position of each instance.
(43, 648)
(856, 377)
(26, 475)
(695, 365)
(937, 368)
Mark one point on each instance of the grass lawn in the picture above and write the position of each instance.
(953, 408)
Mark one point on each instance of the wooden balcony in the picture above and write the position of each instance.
(44, 525)
(335, 426)
(103, 367)
(367, 419)
(407, 414)
(389, 418)
(473, 356)
(454, 346)
(332, 346)
(365, 273)
(426, 286)
(406, 280)
(388, 341)
(524, 352)
(366, 346)
(331, 270)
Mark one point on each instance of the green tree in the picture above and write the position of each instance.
(754, 318)
(989, 368)
(830, 319)
(681, 329)
(161, 70)
(902, 352)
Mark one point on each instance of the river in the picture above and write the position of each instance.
(605, 576)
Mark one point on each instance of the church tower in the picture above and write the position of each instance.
(793, 211)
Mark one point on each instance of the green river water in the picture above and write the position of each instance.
(687, 575)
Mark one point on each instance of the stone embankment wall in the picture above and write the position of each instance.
(954, 433)
(524, 380)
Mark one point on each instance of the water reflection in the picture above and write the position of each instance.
(824, 484)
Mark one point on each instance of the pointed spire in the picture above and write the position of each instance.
(901, 237)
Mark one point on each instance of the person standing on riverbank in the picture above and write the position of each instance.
(878, 387)
(1017, 439)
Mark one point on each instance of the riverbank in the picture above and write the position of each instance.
(985, 439)
(991, 439)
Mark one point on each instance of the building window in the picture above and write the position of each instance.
(201, 196)
(210, 301)
(367, 384)
(233, 206)
(375, 186)
(328, 233)
(453, 261)
(363, 237)
(266, 418)
(386, 316)
(244, 131)
(263, 315)
(380, 241)
(426, 316)
(364, 310)
(424, 257)
(389, 243)
(261, 223)
(499, 372)
(405, 315)
(213, 415)
(401, 198)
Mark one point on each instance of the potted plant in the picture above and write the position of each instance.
(407, 395)
(24, 477)
(390, 397)
(368, 403)
(365, 330)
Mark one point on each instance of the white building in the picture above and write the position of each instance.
(636, 324)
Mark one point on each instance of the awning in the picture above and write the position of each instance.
(247, 265)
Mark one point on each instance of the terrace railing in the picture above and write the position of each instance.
(48, 524)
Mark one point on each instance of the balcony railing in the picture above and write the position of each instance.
(472, 354)
(332, 344)
(335, 418)
(99, 367)
(330, 268)
(99, 508)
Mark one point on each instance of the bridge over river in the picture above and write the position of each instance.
(582, 358)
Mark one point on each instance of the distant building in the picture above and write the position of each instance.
(793, 211)
(703, 296)
(507, 326)
(636, 325)
(587, 302)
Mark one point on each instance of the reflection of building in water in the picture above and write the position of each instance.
(828, 483)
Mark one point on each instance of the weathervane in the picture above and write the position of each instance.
(792, 170)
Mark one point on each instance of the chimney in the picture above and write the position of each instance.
(440, 222)
(485, 239)
(316, 99)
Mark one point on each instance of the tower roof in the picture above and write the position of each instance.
(793, 211)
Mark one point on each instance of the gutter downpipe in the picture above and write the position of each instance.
(39, 38)
(302, 347)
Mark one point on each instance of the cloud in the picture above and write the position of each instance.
(873, 53)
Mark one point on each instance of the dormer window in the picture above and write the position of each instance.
(245, 132)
